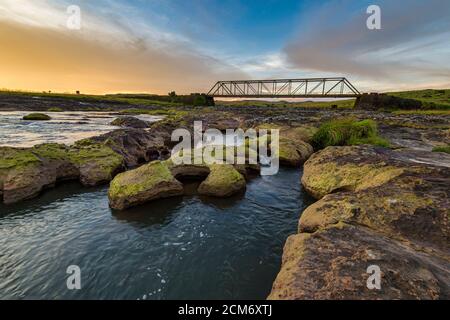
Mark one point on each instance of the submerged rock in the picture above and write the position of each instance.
(223, 181)
(377, 207)
(131, 122)
(148, 182)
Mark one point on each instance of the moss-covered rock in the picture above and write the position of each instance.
(294, 152)
(348, 168)
(223, 181)
(377, 207)
(37, 117)
(148, 182)
(22, 174)
(333, 262)
(26, 172)
(97, 163)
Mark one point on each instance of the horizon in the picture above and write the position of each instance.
(155, 47)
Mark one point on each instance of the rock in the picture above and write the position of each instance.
(377, 206)
(188, 171)
(223, 181)
(25, 172)
(332, 264)
(22, 174)
(148, 182)
(347, 168)
(294, 153)
(37, 117)
(131, 122)
(136, 146)
(97, 163)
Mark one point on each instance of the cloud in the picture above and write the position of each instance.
(105, 56)
(412, 48)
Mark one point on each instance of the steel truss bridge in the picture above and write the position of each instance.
(285, 88)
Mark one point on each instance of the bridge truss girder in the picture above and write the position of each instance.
(285, 88)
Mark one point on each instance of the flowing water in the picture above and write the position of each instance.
(182, 248)
(64, 127)
(188, 247)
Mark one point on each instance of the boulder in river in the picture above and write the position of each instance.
(148, 182)
(37, 117)
(25, 172)
(223, 181)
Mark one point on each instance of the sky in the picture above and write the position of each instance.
(157, 46)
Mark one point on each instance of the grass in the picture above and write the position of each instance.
(143, 99)
(424, 112)
(442, 149)
(431, 99)
(344, 132)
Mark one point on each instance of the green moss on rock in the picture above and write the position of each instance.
(223, 181)
(37, 117)
(148, 182)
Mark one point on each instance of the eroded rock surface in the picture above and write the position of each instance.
(136, 146)
(377, 207)
(25, 172)
(146, 183)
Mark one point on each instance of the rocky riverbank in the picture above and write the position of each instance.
(376, 207)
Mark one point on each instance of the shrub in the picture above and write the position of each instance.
(442, 149)
(344, 132)
(199, 100)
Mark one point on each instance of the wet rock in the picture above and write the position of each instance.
(293, 153)
(97, 163)
(146, 183)
(223, 181)
(136, 146)
(332, 264)
(25, 172)
(130, 122)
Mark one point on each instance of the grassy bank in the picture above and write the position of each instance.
(431, 99)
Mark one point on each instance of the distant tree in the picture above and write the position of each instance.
(173, 96)
(78, 92)
(199, 100)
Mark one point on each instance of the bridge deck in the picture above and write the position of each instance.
(285, 88)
